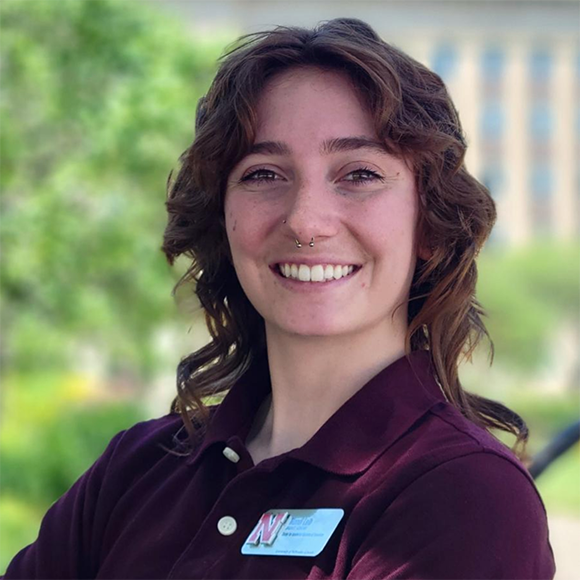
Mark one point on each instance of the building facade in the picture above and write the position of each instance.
(513, 69)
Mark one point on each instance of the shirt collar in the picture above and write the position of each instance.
(360, 430)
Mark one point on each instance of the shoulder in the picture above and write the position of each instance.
(473, 516)
(456, 450)
(460, 504)
(482, 499)
(443, 434)
(155, 438)
(151, 430)
(442, 442)
(145, 454)
(162, 442)
(483, 483)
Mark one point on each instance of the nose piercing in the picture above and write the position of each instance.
(297, 242)
(299, 245)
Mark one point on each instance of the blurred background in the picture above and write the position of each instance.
(97, 103)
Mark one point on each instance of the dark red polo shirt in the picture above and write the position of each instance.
(425, 494)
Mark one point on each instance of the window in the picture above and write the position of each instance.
(541, 121)
(493, 178)
(541, 65)
(541, 204)
(492, 62)
(492, 120)
(542, 182)
(445, 61)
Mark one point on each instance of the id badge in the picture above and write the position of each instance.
(289, 532)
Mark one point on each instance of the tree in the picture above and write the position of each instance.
(527, 294)
(97, 104)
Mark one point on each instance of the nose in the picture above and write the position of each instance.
(310, 213)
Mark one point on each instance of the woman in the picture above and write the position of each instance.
(333, 231)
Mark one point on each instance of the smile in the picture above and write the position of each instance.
(316, 273)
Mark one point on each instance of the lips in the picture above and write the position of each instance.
(316, 274)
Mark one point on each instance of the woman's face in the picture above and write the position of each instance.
(318, 165)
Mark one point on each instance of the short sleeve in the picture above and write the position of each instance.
(66, 546)
(477, 516)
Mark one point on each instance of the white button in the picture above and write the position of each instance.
(227, 526)
(231, 454)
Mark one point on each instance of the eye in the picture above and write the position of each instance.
(363, 175)
(260, 176)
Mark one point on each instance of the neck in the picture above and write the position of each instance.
(312, 377)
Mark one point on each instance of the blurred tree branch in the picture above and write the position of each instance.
(97, 104)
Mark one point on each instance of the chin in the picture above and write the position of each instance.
(314, 327)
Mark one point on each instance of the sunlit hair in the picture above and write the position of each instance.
(414, 116)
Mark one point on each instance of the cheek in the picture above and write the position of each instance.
(393, 227)
(391, 241)
(242, 228)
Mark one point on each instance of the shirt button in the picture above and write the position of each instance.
(227, 526)
(231, 454)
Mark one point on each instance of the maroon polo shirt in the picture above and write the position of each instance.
(425, 494)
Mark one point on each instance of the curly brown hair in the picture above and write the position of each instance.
(415, 117)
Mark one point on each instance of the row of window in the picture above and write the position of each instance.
(541, 180)
(540, 120)
(445, 58)
(493, 64)
(493, 121)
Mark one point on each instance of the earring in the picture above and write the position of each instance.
(311, 244)
(298, 244)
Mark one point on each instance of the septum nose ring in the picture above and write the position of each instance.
(297, 241)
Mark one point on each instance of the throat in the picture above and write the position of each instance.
(260, 442)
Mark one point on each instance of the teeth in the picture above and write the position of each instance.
(318, 273)
(303, 273)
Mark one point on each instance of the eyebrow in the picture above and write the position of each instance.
(328, 147)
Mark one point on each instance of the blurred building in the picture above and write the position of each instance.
(513, 69)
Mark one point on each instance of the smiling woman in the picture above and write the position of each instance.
(333, 230)
(354, 201)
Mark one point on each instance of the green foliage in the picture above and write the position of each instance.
(20, 525)
(546, 415)
(54, 427)
(66, 425)
(558, 485)
(60, 452)
(527, 294)
(98, 102)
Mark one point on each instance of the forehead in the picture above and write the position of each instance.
(311, 103)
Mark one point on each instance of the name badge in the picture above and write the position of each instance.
(286, 532)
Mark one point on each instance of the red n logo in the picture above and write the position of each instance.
(267, 528)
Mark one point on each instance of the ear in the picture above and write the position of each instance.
(424, 252)
(424, 248)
